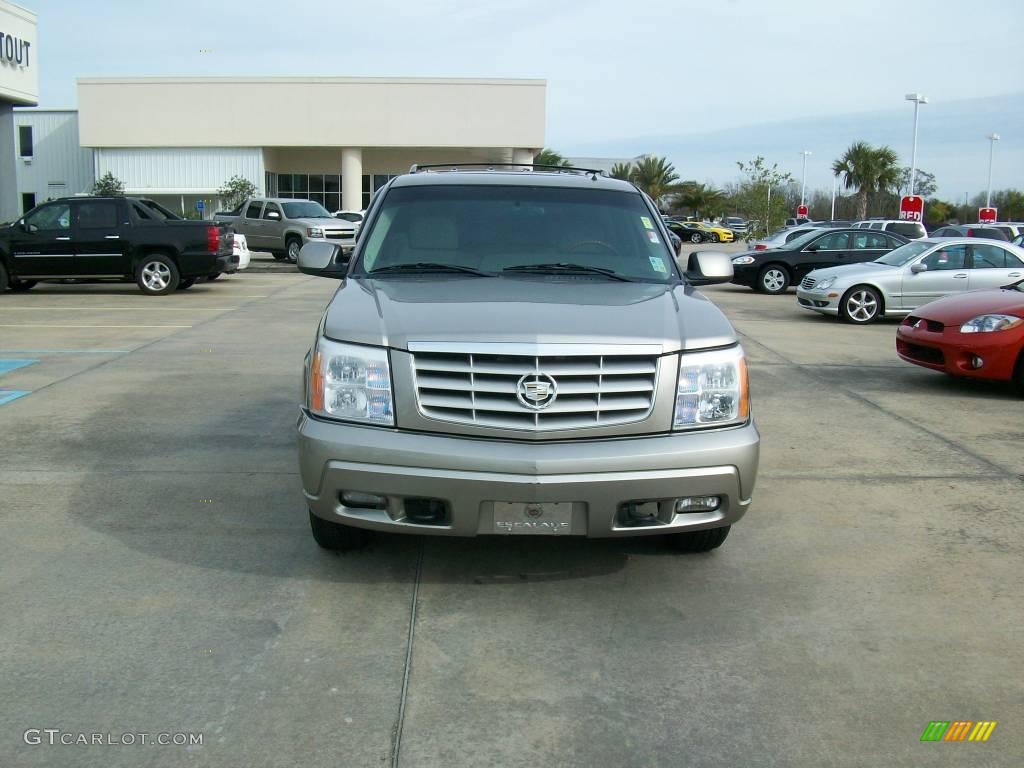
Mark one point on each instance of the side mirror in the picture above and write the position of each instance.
(322, 259)
(708, 268)
(919, 267)
(273, 215)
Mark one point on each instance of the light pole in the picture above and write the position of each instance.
(992, 138)
(918, 100)
(803, 176)
(835, 181)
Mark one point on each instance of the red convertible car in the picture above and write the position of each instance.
(978, 334)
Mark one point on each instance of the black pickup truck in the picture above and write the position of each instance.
(128, 239)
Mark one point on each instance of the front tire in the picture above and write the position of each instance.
(335, 536)
(699, 541)
(773, 279)
(294, 245)
(696, 237)
(715, 238)
(157, 275)
(861, 305)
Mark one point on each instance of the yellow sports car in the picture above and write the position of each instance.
(718, 234)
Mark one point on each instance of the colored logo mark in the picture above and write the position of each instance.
(958, 730)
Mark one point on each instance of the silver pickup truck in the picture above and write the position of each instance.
(283, 225)
(518, 352)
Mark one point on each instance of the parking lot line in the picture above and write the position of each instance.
(14, 364)
(123, 309)
(38, 325)
(7, 395)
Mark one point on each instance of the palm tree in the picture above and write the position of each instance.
(869, 169)
(700, 198)
(656, 176)
(550, 157)
(622, 171)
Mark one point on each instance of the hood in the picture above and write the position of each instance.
(850, 270)
(956, 310)
(394, 312)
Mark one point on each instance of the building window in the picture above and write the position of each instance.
(28, 201)
(24, 141)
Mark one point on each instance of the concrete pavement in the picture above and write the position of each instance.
(157, 572)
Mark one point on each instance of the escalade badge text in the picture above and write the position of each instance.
(536, 391)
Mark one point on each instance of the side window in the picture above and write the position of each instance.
(56, 216)
(272, 207)
(951, 257)
(141, 212)
(101, 214)
(253, 211)
(992, 257)
(892, 242)
(878, 225)
(870, 241)
(835, 241)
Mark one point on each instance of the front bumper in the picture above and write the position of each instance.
(825, 302)
(469, 475)
(953, 352)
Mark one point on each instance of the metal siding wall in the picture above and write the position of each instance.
(168, 170)
(57, 156)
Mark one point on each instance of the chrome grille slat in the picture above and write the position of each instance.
(808, 283)
(480, 389)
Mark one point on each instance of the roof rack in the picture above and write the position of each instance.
(523, 167)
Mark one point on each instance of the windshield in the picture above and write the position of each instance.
(493, 229)
(904, 253)
(306, 209)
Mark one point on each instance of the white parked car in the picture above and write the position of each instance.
(240, 249)
(913, 230)
(914, 274)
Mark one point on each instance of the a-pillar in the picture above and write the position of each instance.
(352, 179)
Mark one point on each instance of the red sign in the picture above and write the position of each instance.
(988, 215)
(912, 207)
(801, 211)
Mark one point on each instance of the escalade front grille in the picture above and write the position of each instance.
(484, 389)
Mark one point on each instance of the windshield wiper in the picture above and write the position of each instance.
(423, 267)
(561, 268)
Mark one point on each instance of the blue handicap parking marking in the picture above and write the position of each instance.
(11, 365)
(7, 395)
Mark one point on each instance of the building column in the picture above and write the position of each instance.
(522, 156)
(352, 178)
(10, 200)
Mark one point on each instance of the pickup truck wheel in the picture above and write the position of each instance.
(773, 279)
(294, 246)
(699, 541)
(335, 536)
(186, 283)
(157, 275)
(22, 285)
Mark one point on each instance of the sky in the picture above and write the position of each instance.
(687, 75)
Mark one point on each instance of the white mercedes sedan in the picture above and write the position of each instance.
(914, 274)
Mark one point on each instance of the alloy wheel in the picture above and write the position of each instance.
(156, 276)
(773, 280)
(862, 306)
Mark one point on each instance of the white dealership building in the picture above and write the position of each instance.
(19, 85)
(335, 140)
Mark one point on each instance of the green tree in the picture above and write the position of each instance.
(622, 171)
(657, 177)
(924, 183)
(236, 191)
(938, 213)
(550, 157)
(870, 170)
(701, 199)
(762, 195)
(108, 185)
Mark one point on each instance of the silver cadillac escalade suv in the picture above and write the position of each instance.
(517, 352)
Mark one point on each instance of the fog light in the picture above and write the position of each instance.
(976, 362)
(357, 500)
(698, 504)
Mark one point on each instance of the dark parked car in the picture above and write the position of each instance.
(969, 230)
(688, 232)
(774, 270)
(112, 238)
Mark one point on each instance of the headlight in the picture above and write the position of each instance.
(825, 284)
(352, 383)
(315, 232)
(743, 260)
(712, 389)
(990, 323)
